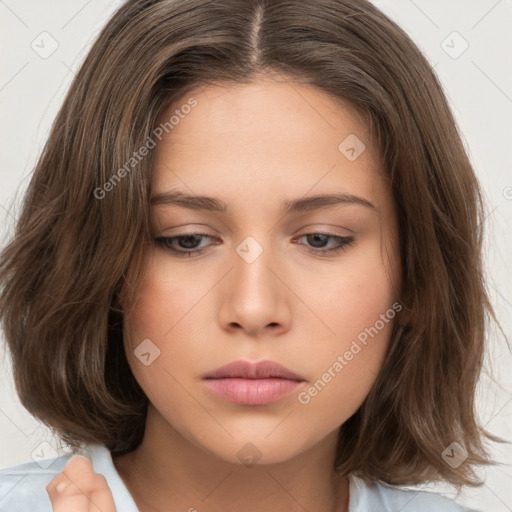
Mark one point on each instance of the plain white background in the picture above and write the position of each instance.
(468, 42)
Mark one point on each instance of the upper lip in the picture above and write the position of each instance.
(248, 370)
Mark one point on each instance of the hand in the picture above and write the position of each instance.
(79, 489)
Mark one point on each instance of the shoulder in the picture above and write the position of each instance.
(23, 487)
(377, 497)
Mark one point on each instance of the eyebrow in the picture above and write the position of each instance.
(290, 206)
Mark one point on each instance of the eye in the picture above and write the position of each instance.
(189, 244)
(318, 241)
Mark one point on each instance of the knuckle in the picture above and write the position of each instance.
(52, 485)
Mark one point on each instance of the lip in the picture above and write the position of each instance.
(248, 370)
(249, 383)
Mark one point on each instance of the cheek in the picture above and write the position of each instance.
(358, 307)
(161, 314)
(344, 369)
(166, 300)
(353, 295)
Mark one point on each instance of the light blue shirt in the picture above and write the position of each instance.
(23, 489)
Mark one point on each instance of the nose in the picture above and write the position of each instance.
(254, 295)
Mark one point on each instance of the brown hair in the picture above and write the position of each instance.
(75, 259)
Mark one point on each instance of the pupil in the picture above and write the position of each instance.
(317, 237)
(188, 241)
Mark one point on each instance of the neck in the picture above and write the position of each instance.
(167, 473)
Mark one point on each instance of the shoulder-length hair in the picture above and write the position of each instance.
(76, 256)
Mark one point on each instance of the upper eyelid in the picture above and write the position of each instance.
(199, 230)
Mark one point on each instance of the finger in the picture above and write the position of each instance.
(80, 489)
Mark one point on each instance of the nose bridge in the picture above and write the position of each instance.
(252, 277)
(256, 297)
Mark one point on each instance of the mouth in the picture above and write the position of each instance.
(248, 383)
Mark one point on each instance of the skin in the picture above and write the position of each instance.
(253, 146)
(79, 489)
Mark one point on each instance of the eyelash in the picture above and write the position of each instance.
(165, 242)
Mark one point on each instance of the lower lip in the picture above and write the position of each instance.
(252, 391)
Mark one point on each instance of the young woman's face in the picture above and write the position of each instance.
(311, 288)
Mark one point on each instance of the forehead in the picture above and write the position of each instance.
(264, 111)
(245, 138)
